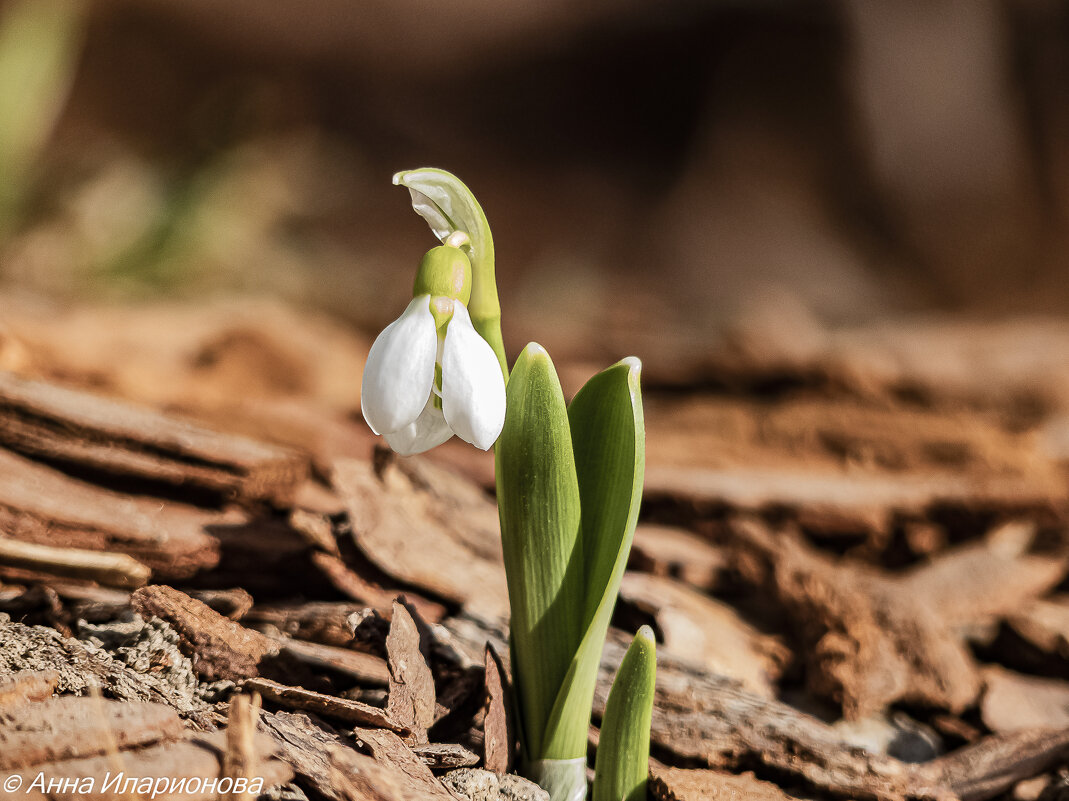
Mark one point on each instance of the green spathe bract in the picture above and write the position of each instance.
(624, 748)
(448, 206)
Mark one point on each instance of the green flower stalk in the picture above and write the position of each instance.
(569, 485)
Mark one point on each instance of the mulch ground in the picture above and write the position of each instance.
(853, 550)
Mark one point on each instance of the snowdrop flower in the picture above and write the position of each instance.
(429, 374)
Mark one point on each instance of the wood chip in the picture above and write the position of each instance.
(1013, 701)
(316, 529)
(306, 745)
(357, 777)
(705, 631)
(71, 728)
(325, 622)
(678, 553)
(79, 666)
(993, 765)
(122, 439)
(365, 669)
(842, 467)
(241, 760)
(219, 647)
(445, 756)
(411, 695)
(233, 603)
(198, 756)
(349, 582)
(329, 765)
(44, 506)
(110, 569)
(868, 643)
(676, 784)
(989, 579)
(329, 706)
(415, 778)
(426, 527)
(26, 686)
(499, 738)
(1045, 625)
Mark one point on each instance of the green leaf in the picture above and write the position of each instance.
(622, 763)
(609, 441)
(440, 198)
(538, 503)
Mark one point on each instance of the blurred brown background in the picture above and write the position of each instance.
(653, 174)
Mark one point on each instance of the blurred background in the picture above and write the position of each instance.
(654, 175)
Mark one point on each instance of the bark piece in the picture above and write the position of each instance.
(679, 553)
(325, 622)
(1045, 624)
(991, 766)
(26, 686)
(71, 727)
(707, 632)
(499, 734)
(219, 647)
(241, 760)
(989, 579)
(426, 527)
(484, 785)
(44, 506)
(1013, 701)
(677, 784)
(233, 603)
(316, 529)
(199, 756)
(79, 665)
(306, 746)
(445, 756)
(329, 765)
(122, 439)
(869, 644)
(343, 709)
(366, 669)
(411, 696)
(414, 777)
(110, 569)
(369, 593)
(842, 467)
(357, 777)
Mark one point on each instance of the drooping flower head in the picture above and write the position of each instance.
(429, 374)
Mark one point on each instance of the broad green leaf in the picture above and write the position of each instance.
(623, 758)
(440, 198)
(538, 503)
(609, 440)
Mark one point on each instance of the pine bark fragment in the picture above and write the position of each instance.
(122, 439)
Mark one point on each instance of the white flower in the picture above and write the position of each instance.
(401, 397)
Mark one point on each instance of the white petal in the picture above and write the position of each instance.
(428, 431)
(473, 389)
(400, 369)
